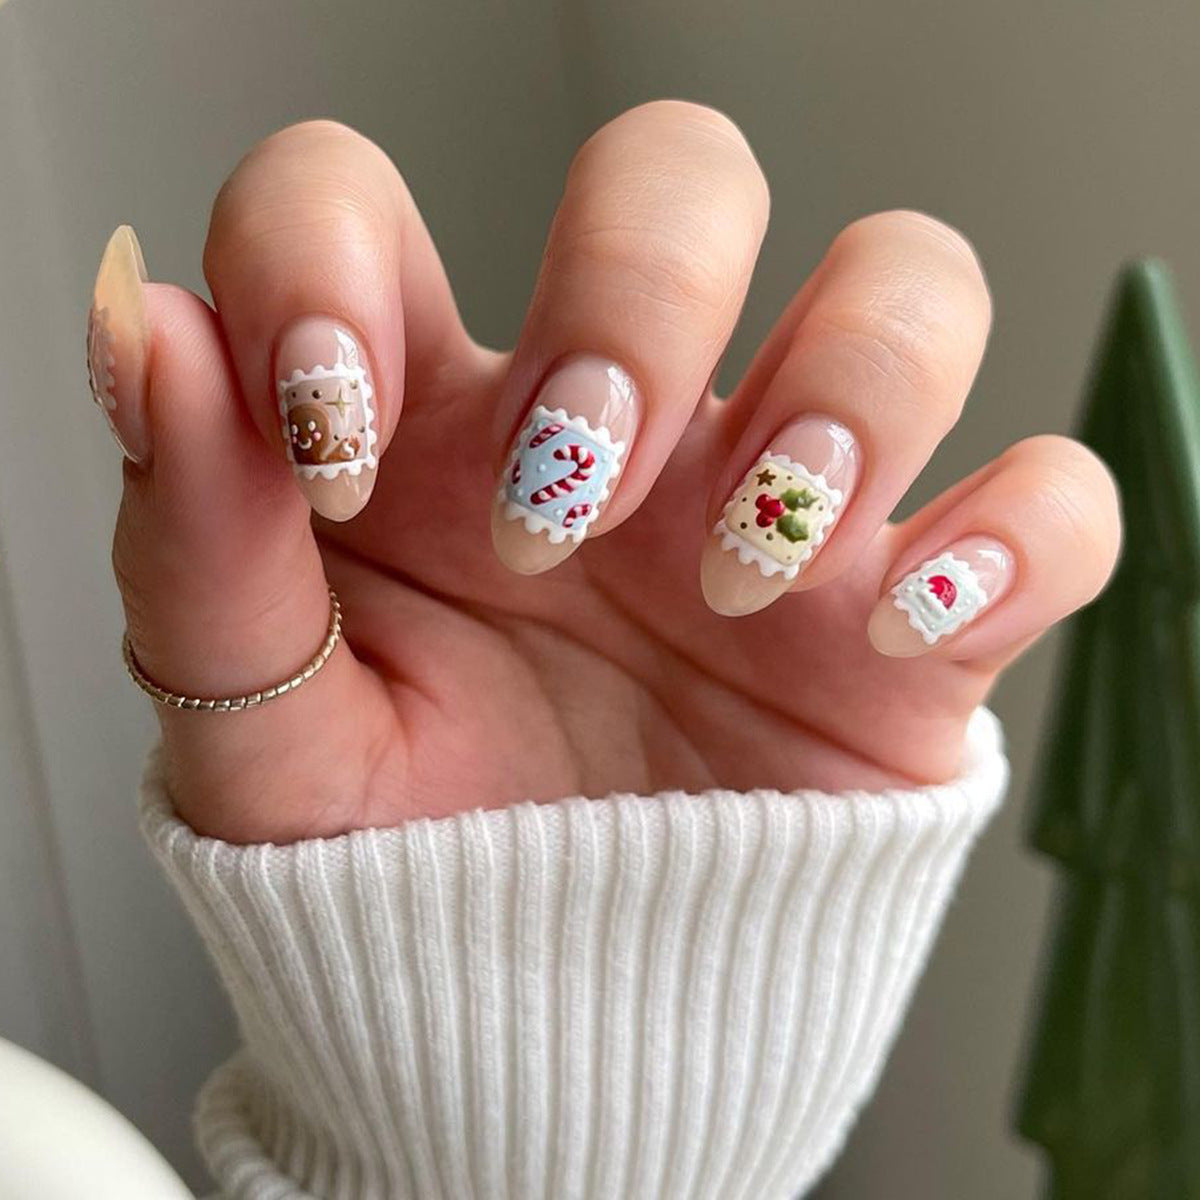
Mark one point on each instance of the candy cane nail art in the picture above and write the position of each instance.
(940, 597)
(779, 516)
(559, 474)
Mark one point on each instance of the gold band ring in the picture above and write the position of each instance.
(252, 699)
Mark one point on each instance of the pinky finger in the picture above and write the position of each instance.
(1035, 539)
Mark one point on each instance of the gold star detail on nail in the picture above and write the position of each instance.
(765, 477)
(340, 404)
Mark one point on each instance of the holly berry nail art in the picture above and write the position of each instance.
(328, 422)
(779, 516)
(940, 597)
(559, 474)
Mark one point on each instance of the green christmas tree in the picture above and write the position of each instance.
(1112, 1091)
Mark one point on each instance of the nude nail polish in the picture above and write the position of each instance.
(779, 516)
(564, 464)
(328, 414)
(118, 337)
(940, 597)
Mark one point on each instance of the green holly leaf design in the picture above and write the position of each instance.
(802, 498)
(792, 528)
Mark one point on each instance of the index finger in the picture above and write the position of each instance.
(314, 244)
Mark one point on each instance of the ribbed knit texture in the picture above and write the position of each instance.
(674, 996)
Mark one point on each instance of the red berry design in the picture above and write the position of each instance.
(942, 586)
(769, 508)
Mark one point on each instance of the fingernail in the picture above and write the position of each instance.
(779, 516)
(329, 414)
(118, 337)
(564, 464)
(941, 596)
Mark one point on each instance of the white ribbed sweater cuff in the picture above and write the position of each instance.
(668, 996)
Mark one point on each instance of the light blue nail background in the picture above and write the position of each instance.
(539, 467)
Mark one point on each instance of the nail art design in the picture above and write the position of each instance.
(117, 340)
(940, 597)
(779, 516)
(328, 423)
(100, 363)
(559, 473)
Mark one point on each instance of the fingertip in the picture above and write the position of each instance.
(522, 551)
(891, 634)
(732, 588)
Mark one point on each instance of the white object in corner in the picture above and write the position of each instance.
(59, 1141)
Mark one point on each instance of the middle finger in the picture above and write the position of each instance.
(643, 279)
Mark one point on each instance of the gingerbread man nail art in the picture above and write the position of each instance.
(327, 420)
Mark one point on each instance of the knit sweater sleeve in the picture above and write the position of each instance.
(650, 997)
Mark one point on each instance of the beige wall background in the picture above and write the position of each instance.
(1060, 136)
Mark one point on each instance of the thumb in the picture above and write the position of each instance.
(222, 581)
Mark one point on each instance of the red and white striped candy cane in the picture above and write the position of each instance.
(584, 461)
(573, 514)
(543, 435)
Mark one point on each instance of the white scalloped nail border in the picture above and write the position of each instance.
(911, 597)
(748, 553)
(534, 523)
(100, 360)
(347, 348)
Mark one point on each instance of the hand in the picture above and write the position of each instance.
(463, 683)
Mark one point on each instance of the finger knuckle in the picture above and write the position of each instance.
(678, 152)
(125, 571)
(669, 204)
(911, 354)
(675, 268)
(922, 235)
(672, 122)
(917, 258)
(905, 293)
(275, 195)
(1078, 496)
(348, 154)
(700, 129)
(717, 140)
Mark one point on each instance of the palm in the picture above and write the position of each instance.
(609, 673)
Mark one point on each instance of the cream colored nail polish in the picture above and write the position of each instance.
(564, 464)
(118, 338)
(779, 516)
(944, 594)
(329, 414)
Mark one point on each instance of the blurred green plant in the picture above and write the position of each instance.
(1112, 1090)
